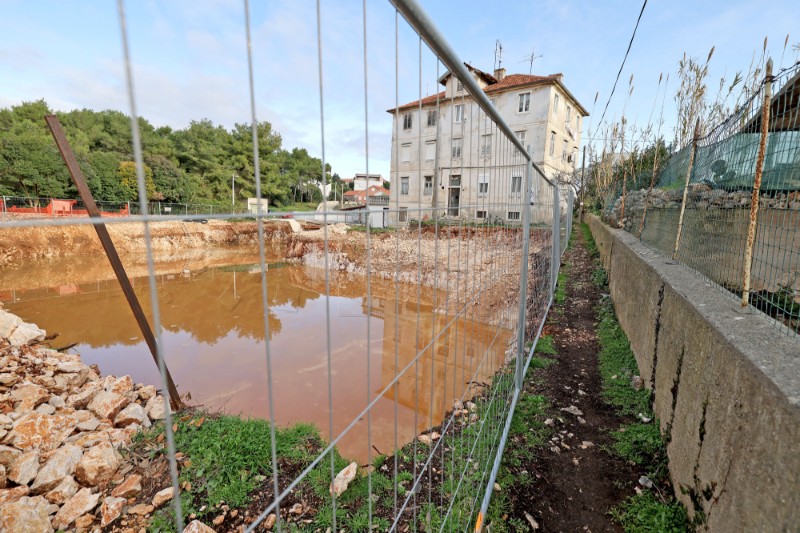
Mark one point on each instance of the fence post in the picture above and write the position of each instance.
(5, 205)
(523, 278)
(686, 188)
(555, 262)
(754, 200)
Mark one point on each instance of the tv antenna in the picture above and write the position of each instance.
(498, 54)
(530, 59)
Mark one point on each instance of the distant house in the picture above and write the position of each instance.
(362, 181)
(252, 205)
(376, 194)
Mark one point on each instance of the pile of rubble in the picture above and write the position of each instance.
(61, 430)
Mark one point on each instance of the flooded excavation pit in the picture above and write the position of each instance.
(214, 341)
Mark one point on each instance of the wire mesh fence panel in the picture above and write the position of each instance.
(719, 207)
(380, 349)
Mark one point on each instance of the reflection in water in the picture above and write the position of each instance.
(213, 335)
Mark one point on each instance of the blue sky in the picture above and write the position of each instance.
(189, 58)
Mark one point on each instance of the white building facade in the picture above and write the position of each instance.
(448, 157)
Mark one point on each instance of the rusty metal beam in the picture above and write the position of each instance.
(111, 251)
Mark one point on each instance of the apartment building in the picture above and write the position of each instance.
(449, 157)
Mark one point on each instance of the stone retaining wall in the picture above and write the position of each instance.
(726, 388)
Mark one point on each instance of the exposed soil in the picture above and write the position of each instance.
(576, 483)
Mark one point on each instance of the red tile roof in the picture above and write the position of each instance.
(511, 81)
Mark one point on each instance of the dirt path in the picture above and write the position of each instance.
(576, 480)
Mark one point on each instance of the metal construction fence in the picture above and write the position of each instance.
(55, 207)
(728, 205)
(471, 284)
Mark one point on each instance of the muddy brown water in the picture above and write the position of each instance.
(214, 341)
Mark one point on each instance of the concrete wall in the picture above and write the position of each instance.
(726, 388)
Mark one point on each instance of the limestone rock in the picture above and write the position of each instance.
(81, 399)
(163, 496)
(269, 522)
(84, 521)
(82, 502)
(89, 425)
(119, 385)
(106, 404)
(98, 464)
(57, 401)
(132, 414)
(8, 379)
(343, 479)
(29, 396)
(141, 509)
(196, 526)
(110, 510)
(71, 367)
(130, 487)
(46, 409)
(147, 392)
(8, 455)
(428, 439)
(12, 495)
(3, 477)
(26, 515)
(25, 468)
(41, 431)
(60, 465)
(155, 408)
(63, 491)
(25, 334)
(71, 381)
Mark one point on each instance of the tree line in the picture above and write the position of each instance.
(191, 165)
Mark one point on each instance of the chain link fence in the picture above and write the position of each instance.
(709, 230)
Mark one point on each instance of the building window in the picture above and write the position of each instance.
(486, 145)
(524, 103)
(428, 190)
(405, 153)
(552, 143)
(403, 214)
(455, 181)
(516, 184)
(521, 136)
(459, 113)
(432, 117)
(480, 214)
(564, 151)
(456, 148)
(459, 86)
(483, 185)
(569, 115)
(408, 120)
(577, 123)
(555, 106)
(513, 215)
(404, 185)
(430, 150)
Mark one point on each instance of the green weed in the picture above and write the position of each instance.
(644, 513)
(546, 345)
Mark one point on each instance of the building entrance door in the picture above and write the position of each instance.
(454, 196)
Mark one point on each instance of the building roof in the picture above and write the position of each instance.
(374, 190)
(509, 82)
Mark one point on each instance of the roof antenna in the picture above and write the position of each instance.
(530, 59)
(498, 54)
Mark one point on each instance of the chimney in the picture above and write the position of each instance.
(499, 73)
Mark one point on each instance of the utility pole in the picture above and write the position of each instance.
(233, 190)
